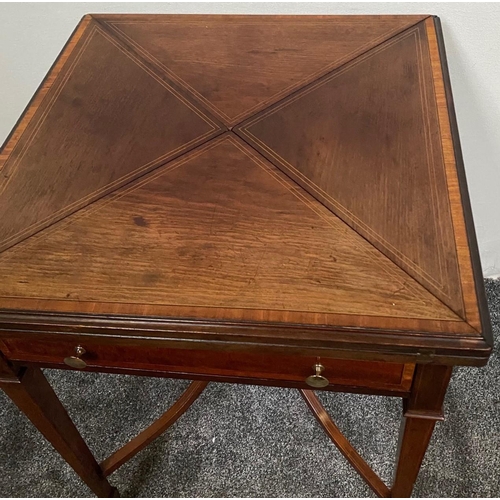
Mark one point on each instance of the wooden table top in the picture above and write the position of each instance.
(291, 180)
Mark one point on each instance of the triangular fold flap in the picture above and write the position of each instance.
(106, 120)
(220, 227)
(238, 65)
(365, 141)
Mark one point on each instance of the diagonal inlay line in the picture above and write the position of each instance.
(113, 27)
(123, 190)
(242, 130)
(147, 67)
(258, 160)
(49, 100)
(297, 191)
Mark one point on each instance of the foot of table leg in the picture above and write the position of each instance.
(421, 411)
(32, 393)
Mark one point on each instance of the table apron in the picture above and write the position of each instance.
(265, 368)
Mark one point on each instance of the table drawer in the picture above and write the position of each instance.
(280, 368)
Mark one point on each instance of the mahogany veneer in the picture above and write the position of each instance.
(239, 198)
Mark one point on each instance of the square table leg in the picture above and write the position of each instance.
(31, 392)
(421, 411)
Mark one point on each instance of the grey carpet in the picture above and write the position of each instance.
(247, 441)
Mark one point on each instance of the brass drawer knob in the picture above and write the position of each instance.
(76, 361)
(317, 380)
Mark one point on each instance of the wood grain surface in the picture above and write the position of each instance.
(94, 132)
(367, 134)
(127, 192)
(220, 228)
(236, 65)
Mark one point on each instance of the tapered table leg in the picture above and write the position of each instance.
(34, 396)
(421, 411)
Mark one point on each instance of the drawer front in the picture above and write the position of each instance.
(280, 368)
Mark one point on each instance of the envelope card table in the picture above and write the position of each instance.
(274, 200)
